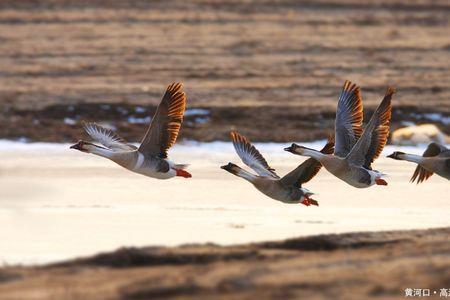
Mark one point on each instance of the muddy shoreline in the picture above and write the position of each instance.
(345, 266)
(63, 123)
(270, 69)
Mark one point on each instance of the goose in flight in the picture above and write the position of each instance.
(435, 159)
(150, 159)
(287, 189)
(355, 148)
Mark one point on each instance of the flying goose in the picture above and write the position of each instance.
(435, 159)
(355, 148)
(287, 189)
(150, 159)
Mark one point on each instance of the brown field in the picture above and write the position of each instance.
(347, 266)
(270, 68)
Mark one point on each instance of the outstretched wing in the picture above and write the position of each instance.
(163, 131)
(349, 117)
(375, 135)
(107, 137)
(251, 156)
(420, 173)
(308, 169)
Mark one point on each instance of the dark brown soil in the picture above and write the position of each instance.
(260, 123)
(272, 69)
(371, 265)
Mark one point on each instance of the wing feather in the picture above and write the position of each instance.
(251, 156)
(349, 117)
(422, 174)
(375, 135)
(107, 137)
(166, 123)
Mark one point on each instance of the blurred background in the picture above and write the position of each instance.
(273, 69)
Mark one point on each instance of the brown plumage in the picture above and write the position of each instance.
(163, 131)
(356, 107)
(380, 134)
(420, 173)
(349, 118)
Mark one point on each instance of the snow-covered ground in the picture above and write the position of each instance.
(57, 203)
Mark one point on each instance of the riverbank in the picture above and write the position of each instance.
(370, 265)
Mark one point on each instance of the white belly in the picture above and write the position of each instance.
(356, 184)
(351, 177)
(150, 170)
(154, 174)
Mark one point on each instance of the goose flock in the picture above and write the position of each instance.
(348, 155)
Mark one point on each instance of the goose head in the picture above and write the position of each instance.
(296, 149)
(79, 146)
(230, 167)
(396, 155)
(84, 146)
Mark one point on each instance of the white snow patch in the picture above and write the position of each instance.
(272, 149)
(437, 118)
(122, 110)
(196, 112)
(22, 145)
(408, 123)
(140, 109)
(70, 121)
(135, 120)
(202, 120)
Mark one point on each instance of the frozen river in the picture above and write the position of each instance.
(57, 203)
